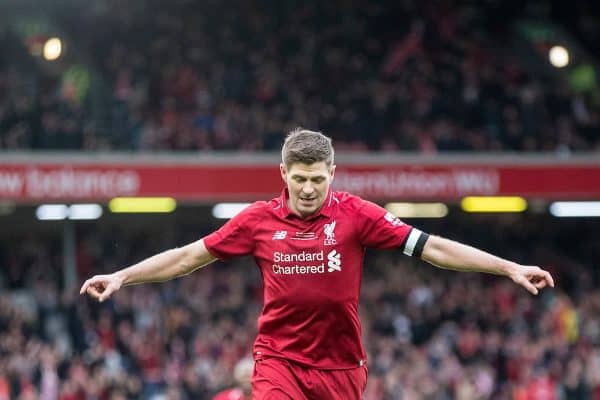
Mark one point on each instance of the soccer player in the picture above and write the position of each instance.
(309, 244)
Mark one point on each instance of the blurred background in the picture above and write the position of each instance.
(127, 128)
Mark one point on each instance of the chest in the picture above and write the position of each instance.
(323, 234)
(317, 262)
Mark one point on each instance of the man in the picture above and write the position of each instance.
(242, 374)
(309, 244)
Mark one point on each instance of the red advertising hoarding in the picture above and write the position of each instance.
(98, 180)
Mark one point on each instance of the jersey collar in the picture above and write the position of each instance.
(325, 210)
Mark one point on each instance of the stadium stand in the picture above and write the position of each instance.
(203, 76)
(430, 333)
(388, 76)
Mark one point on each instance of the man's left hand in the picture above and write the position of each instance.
(532, 278)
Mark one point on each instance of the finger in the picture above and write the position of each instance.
(90, 283)
(93, 292)
(106, 293)
(549, 278)
(540, 284)
(84, 287)
(528, 285)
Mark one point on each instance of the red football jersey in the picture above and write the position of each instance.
(311, 270)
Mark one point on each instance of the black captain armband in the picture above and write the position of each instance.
(415, 242)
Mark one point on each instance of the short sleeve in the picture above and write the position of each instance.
(236, 237)
(381, 229)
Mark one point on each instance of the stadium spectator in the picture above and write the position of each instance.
(242, 374)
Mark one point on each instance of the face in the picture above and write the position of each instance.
(308, 185)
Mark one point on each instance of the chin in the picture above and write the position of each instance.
(307, 210)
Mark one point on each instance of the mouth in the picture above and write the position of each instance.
(307, 200)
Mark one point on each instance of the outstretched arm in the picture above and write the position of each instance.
(161, 267)
(449, 254)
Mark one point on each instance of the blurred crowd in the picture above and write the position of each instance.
(389, 76)
(429, 333)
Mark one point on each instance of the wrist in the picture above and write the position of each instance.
(120, 277)
(511, 270)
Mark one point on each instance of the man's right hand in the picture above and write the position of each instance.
(101, 287)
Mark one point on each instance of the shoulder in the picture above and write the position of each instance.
(348, 201)
(259, 207)
(250, 215)
(261, 210)
(356, 206)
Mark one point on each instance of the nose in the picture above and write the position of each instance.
(307, 188)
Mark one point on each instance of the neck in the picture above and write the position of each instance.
(297, 213)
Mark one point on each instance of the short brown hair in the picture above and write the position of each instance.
(306, 147)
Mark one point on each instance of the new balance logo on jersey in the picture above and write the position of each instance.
(279, 235)
(334, 261)
(328, 229)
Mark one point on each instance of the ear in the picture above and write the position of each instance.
(283, 172)
(332, 172)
